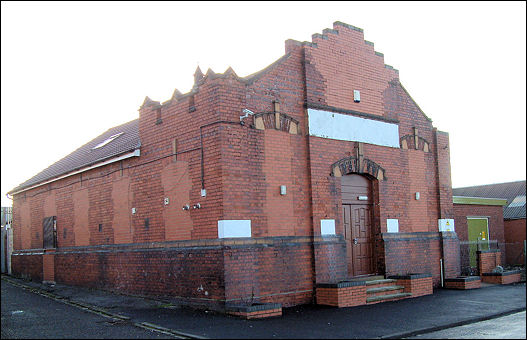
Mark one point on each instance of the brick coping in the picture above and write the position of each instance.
(193, 244)
(410, 276)
(342, 284)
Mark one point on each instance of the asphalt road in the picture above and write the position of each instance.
(27, 315)
(30, 316)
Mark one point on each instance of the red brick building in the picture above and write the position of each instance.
(319, 168)
(497, 210)
(479, 226)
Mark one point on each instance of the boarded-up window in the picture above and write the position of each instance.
(50, 232)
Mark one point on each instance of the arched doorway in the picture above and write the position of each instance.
(357, 209)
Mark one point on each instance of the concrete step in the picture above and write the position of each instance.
(376, 290)
(366, 278)
(382, 298)
(379, 282)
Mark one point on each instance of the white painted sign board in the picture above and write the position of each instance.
(339, 126)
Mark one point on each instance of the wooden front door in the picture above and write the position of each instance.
(357, 203)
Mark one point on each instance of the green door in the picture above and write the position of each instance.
(478, 232)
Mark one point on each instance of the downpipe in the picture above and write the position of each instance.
(441, 265)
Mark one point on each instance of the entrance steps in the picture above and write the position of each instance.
(373, 289)
(383, 290)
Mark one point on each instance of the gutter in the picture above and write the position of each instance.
(478, 200)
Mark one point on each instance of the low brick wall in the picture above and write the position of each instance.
(342, 294)
(256, 311)
(420, 252)
(502, 278)
(354, 293)
(208, 273)
(28, 264)
(330, 258)
(463, 282)
(417, 284)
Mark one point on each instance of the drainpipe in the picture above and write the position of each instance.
(441, 265)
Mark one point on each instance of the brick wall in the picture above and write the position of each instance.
(451, 254)
(329, 253)
(467, 282)
(277, 271)
(418, 285)
(192, 274)
(331, 77)
(330, 81)
(48, 266)
(342, 295)
(27, 265)
(201, 272)
(503, 279)
(413, 253)
(442, 151)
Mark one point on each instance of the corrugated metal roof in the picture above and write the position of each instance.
(509, 191)
(86, 156)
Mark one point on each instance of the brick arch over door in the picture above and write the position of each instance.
(353, 165)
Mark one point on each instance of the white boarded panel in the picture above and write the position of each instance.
(234, 228)
(327, 227)
(339, 126)
(392, 224)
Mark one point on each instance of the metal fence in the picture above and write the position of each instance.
(512, 254)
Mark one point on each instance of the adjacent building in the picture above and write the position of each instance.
(495, 213)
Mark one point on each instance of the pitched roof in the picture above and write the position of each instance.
(511, 191)
(114, 142)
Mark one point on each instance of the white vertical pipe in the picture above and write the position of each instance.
(441, 264)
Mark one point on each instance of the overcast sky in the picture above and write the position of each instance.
(70, 71)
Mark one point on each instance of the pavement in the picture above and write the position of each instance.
(398, 319)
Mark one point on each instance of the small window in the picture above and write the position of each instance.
(108, 140)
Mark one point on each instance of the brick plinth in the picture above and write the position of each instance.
(342, 294)
(203, 272)
(256, 311)
(463, 282)
(502, 278)
(417, 284)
